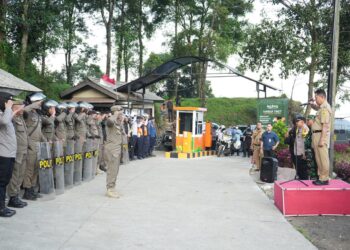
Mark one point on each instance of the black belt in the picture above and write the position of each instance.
(316, 131)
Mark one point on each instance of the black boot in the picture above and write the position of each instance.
(16, 202)
(35, 194)
(28, 195)
(6, 212)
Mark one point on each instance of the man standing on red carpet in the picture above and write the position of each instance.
(321, 135)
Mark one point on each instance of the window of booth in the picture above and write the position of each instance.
(199, 123)
(185, 122)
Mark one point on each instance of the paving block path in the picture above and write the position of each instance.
(203, 203)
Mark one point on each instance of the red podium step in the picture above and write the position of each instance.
(294, 198)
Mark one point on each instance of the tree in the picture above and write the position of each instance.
(297, 42)
(3, 10)
(207, 28)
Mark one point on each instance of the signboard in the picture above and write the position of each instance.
(272, 110)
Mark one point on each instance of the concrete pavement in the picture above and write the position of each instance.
(204, 203)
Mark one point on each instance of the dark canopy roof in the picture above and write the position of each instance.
(165, 69)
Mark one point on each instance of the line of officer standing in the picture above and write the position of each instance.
(26, 125)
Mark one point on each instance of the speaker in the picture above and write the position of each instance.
(268, 171)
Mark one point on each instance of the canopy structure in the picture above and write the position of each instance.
(167, 68)
(14, 85)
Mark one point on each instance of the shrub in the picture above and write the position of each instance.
(284, 158)
(280, 128)
(343, 170)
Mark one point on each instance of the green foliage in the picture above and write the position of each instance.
(227, 111)
(280, 128)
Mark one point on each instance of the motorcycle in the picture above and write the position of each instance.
(225, 145)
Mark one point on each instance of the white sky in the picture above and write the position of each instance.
(222, 87)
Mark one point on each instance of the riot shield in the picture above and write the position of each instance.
(78, 162)
(69, 165)
(58, 166)
(46, 180)
(95, 153)
(87, 160)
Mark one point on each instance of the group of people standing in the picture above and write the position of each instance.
(308, 141)
(26, 125)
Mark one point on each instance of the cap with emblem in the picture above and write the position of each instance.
(299, 117)
(18, 102)
(116, 108)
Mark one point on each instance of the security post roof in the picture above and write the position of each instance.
(15, 85)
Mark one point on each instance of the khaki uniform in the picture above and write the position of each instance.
(48, 128)
(80, 127)
(91, 125)
(113, 147)
(100, 144)
(19, 168)
(256, 139)
(323, 117)
(70, 125)
(34, 122)
(61, 131)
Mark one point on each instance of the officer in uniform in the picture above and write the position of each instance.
(48, 120)
(19, 168)
(309, 151)
(80, 122)
(60, 124)
(8, 148)
(113, 147)
(255, 146)
(34, 122)
(70, 120)
(98, 120)
(321, 135)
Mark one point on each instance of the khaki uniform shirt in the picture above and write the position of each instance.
(61, 131)
(48, 123)
(114, 130)
(92, 128)
(256, 137)
(8, 144)
(323, 116)
(21, 133)
(80, 126)
(33, 121)
(70, 125)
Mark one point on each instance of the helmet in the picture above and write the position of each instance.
(50, 103)
(90, 106)
(72, 105)
(84, 105)
(35, 97)
(62, 105)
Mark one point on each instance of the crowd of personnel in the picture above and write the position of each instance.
(308, 141)
(73, 128)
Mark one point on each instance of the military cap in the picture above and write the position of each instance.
(116, 108)
(18, 102)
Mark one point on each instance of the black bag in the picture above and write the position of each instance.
(268, 171)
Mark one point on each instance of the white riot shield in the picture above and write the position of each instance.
(58, 165)
(78, 162)
(87, 160)
(69, 165)
(46, 180)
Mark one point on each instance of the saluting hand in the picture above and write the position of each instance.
(9, 104)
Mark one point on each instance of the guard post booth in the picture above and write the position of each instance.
(193, 134)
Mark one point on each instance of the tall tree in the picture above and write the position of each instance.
(25, 35)
(297, 42)
(3, 8)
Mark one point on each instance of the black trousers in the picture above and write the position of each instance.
(170, 115)
(301, 168)
(268, 153)
(6, 168)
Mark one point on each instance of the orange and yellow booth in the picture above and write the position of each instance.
(192, 133)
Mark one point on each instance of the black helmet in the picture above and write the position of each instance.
(34, 97)
(4, 97)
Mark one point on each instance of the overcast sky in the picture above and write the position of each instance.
(222, 87)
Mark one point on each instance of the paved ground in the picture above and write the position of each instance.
(207, 203)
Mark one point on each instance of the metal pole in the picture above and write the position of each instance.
(332, 79)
